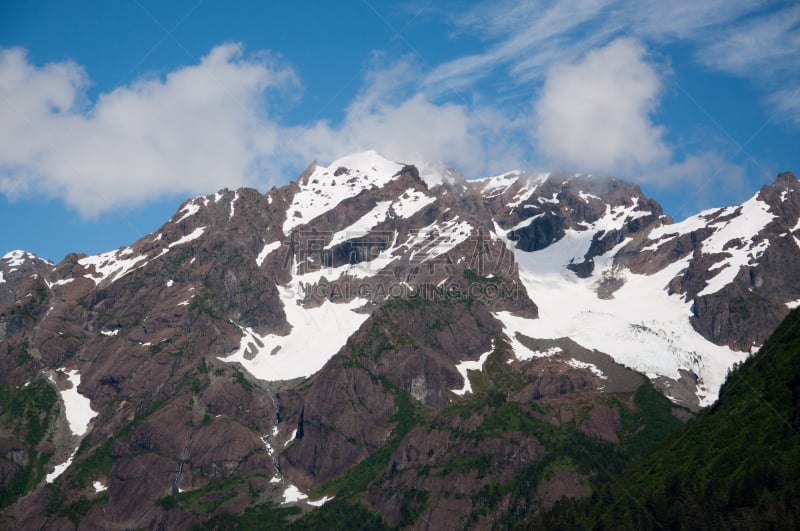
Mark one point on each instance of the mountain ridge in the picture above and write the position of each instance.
(506, 198)
(331, 316)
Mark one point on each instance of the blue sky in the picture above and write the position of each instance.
(112, 113)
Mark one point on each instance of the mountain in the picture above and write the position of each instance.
(434, 350)
(15, 268)
(736, 466)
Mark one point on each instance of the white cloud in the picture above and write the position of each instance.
(406, 125)
(755, 39)
(528, 35)
(594, 115)
(684, 19)
(526, 38)
(198, 129)
(208, 126)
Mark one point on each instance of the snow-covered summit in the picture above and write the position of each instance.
(325, 187)
(14, 259)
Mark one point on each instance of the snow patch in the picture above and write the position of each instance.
(363, 225)
(437, 239)
(585, 196)
(268, 248)
(794, 304)
(60, 469)
(320, 502)
(513, 325)
(553, 200)
(233, 204)
(498, 184)
(583, 365)
(465, 366)
(752, 218)
(290, 439)
(78, 408)
(99, 486)
(363, 269)
(411, 202)
(17, 258)
(196, 233)
(267, 445)
(526, 222)
(110, 333)
(111, 265)
(189, 210)
(316, 335)
(292, 495)
(528, 190)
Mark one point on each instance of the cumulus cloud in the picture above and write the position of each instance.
(195, 130)
(406, 125)
(218, 124)
(595, 114)
(204, 127)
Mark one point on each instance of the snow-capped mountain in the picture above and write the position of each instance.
(601, 262)
(366, 278)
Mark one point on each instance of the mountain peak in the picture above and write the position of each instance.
(364, 161)
(18, 256)
(785, 178)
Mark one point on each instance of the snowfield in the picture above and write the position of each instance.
(642, 327)
(465, 366)
(317, 335)
(78, 408)
(324, 190)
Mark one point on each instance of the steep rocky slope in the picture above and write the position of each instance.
(15, 268)
(361, 334)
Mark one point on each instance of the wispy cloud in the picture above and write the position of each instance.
(748, 38)
(764, 49)
(524, 36)
(761, 47)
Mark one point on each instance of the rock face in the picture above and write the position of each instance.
(15, 268)
(363, 334)
(738, 260)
